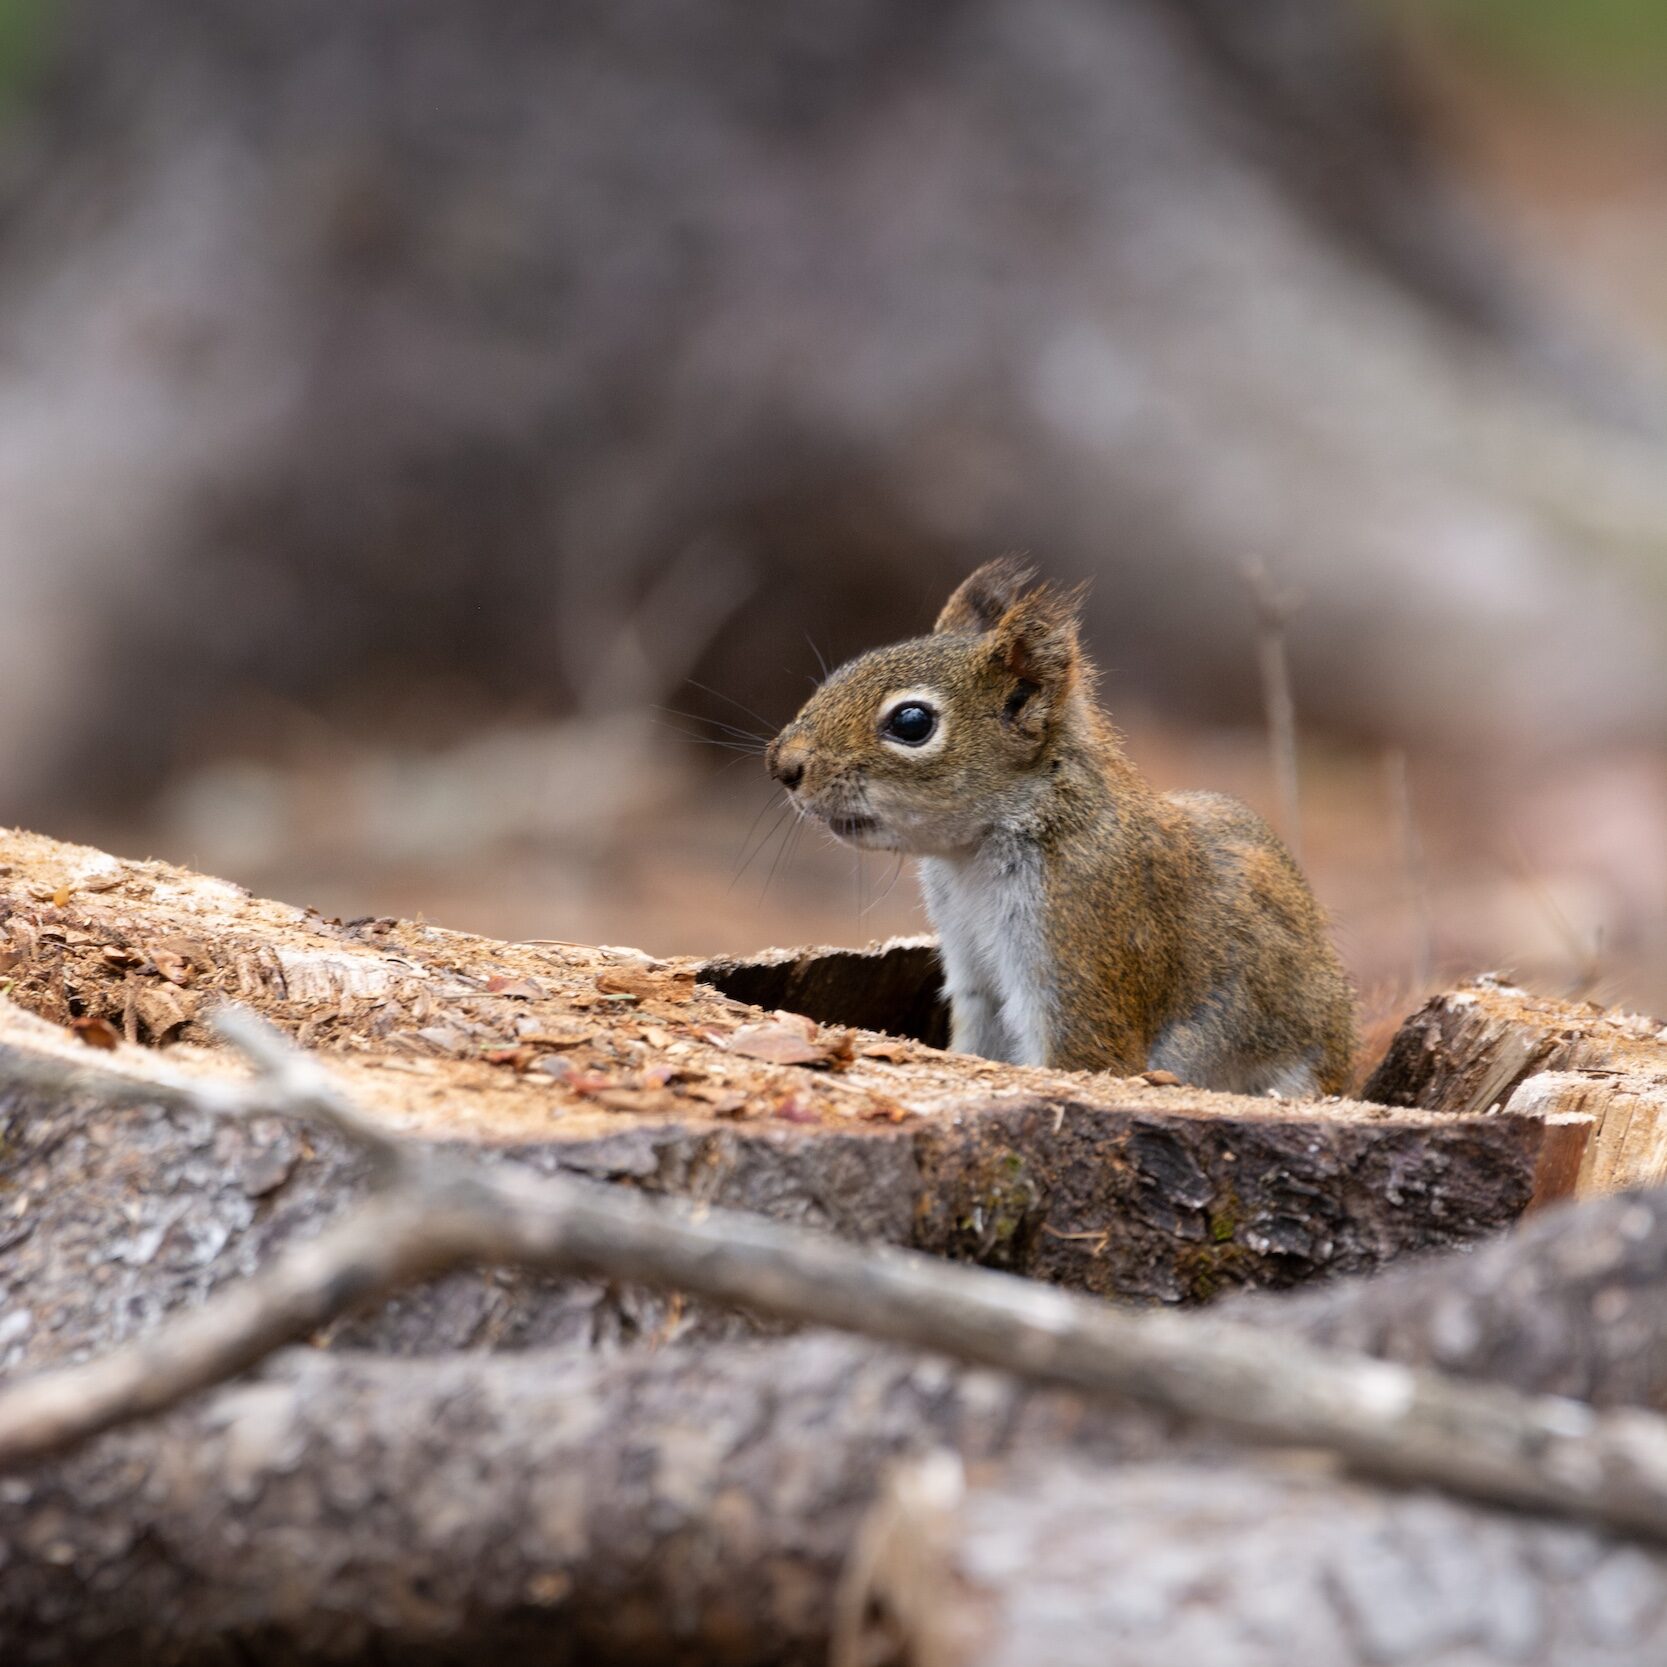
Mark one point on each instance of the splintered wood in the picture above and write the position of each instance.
(1491, 1047)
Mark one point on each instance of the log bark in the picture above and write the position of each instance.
(694, 1506)
(687, 1506)
(1261, 1565)
(1567, 1303)
(562, 1058)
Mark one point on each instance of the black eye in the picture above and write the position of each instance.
(911, 723)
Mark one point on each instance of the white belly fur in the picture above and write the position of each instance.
(987, 911)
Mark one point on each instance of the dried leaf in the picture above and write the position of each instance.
(792, 1039)
(96, 1033)
(646, 984)
(895, 1052)
(724, 1102)
(778, 1043)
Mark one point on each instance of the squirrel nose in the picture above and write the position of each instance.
(787, 763)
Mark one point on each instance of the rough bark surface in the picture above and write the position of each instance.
(1567, 1303)
(561, 1057)
(697, 1505)
(690, 1506)
(1257, 1564)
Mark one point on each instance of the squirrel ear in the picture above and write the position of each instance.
(984, 597)
(1036, 638)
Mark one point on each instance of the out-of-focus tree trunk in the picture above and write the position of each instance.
(393, 339)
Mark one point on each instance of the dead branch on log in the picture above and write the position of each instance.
(434, 1212)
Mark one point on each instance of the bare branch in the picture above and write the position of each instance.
(1274, 609)
(1407, 1424)
(291, 1082)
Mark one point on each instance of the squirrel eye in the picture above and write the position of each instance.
(911, 723)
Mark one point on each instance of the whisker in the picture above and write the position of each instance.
(818, 653)
(716, 723)
(786, 807)
(757, 717)
(891, 884)
(781, 851)
(749, 749)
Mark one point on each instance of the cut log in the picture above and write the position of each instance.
(1257, 1564)
(1627, 1146)
(694, 1506)
(686, 1506)
(1491, 1046)
(619, 1066)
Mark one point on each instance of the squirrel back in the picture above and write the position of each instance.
(1085, 921)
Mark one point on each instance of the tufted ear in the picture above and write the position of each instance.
(1036, 638)
(984, 596)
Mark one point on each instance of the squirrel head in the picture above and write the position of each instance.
(926, 745)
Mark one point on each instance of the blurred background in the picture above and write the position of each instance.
(423, 428)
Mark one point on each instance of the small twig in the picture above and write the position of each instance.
(1274, 609)
(1410, 1425)
(1585, 960)
(291, 1081)
(1414, 871)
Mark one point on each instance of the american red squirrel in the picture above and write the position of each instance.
(1084, 920)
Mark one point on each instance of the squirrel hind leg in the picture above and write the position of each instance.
(1198, 1053)
(1298, 1080)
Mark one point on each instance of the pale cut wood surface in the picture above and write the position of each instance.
(1493, 1047)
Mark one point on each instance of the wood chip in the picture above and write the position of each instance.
(96, 1033)
(173, 967)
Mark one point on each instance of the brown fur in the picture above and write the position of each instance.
(1171, 930)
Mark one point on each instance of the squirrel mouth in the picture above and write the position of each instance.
(850, 827)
